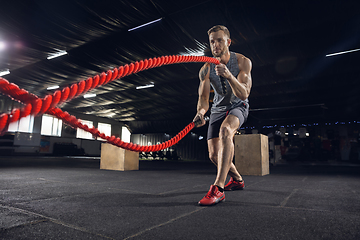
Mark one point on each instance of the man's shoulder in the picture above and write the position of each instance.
(241, 57)
(243, 61)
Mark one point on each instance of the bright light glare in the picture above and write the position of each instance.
(52, 88)
(58, 54)
(199, 51)
(339, 53)
(3, 73)
(146, 86)
(90, 95)
(2, 45)
(144, 24)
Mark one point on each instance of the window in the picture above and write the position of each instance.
(125, 134)
(25, 124)
(104, 128)
(83, 134)
(51, 126)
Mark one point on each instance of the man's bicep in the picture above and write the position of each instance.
(245, 79)
(204, 88)
(204, 72)
(245, 71)
(245, 65)
(244, 76)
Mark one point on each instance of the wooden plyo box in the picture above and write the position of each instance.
(116, 158)
(252, 154)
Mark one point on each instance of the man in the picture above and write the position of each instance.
(231, 81)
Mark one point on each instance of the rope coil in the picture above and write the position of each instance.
(38, 106)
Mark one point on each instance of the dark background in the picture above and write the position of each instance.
(293, 81)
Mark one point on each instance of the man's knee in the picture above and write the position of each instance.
(226, 132)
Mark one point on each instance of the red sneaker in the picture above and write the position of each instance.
(213, 197)
(234, 185)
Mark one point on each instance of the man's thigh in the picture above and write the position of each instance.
(231, 124)
(241, 113)
(217, 119)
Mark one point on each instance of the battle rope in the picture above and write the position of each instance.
(38, 106)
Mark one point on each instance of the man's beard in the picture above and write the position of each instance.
(221, 53)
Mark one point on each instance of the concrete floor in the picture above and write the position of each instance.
(71, 198)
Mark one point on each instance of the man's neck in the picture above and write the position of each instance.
(224, 59)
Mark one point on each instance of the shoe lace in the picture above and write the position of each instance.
(210, 194)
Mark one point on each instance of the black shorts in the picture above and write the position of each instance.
(216, 119)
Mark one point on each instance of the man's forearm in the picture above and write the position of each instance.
(203, 106)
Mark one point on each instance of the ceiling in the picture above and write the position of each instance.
(287, 41)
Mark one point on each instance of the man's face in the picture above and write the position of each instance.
(219, 43)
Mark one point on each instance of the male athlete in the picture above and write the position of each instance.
(231, 81)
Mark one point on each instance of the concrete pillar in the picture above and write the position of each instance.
(116, 158)
(252, 154)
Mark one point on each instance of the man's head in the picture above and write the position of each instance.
(219, 38)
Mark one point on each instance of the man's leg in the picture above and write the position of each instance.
(225, 148)
(214, 147)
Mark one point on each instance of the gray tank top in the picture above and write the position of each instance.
(224, 98)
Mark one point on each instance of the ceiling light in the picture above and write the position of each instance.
(58, 54)
(52, 88)
(199, 51)
(2, 45)
(144, 24)
(190, 52)
(338, 53)
(110, 115)
(146, 86)
(90, 95)
(5, 72)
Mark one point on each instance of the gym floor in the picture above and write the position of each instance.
(71, 198)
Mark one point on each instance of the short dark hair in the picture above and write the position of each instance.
(218, 28)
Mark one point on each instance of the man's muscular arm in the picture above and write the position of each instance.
(204, 93)
(241, 85)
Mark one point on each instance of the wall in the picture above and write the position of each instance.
(34, 143)
(189, 148)
(336, 141)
